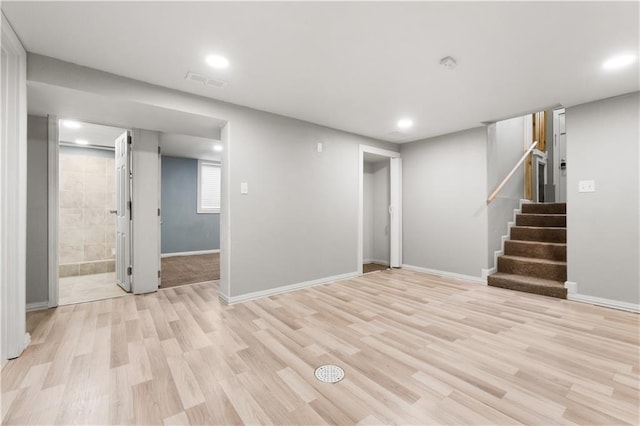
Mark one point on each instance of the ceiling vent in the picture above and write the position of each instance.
(206, 80)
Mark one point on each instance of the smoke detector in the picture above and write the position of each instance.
(206, 80)
(448, 62)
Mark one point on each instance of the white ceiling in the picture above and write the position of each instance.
(174, 145)
(355, 66)
(95, 134)
(43, 99)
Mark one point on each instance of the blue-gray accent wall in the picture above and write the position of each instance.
(183, 229)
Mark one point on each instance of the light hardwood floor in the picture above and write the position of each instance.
(416, 349)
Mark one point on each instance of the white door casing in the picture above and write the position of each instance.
(395, 211)
(13, 200)
(123, 210)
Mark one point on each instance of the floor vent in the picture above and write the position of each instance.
(206, 80)
(329, 373)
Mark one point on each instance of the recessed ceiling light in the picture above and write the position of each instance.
(618, 62)
(82, 142)
(405, 123)
(71, 124)
(217, 148)
(217, 61)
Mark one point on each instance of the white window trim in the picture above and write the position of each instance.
(200, 210)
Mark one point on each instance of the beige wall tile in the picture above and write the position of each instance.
(71, 236)
(94, 252)
(71, 181)
(92, 268)
(71, 163)
(95, 165)
(94, 234)
(70, 253)
(70, 218)
(70, 199)
(94, 182)
(94, 216)
(70, 270)
(94, 199)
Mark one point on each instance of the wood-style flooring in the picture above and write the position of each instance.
(181, 270)
(416, 349)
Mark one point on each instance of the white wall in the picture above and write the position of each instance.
(299, 221)
(505, 142)
(444, 202)
(145, 238)
(603, 240)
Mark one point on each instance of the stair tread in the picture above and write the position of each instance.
(537, 242)
(543, 214)
(534, 260)
(523, 279)
(540, 227)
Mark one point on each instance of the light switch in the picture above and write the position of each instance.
(587, 186)
(319, 147)
(244, 188)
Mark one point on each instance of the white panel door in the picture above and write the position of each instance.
(395, 212)
(123, 210)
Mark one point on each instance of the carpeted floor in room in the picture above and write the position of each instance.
(181, 270)
(371, 267)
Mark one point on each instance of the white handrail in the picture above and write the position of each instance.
(506, 179)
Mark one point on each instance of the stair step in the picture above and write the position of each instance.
(541, 234)
(542, 220)
(539, 268)
(541, 286)
(545, 208)
(535, 249)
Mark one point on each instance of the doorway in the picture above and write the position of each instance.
(91, 247)
(380, 210)
(190, 194)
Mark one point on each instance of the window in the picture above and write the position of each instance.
(208, 187)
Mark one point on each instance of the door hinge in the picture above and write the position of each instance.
(129, 139)
(130, 211)
(159, 273)
(159, 150)
(158, 211)
(129, 270)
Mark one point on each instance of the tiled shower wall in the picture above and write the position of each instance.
(87, 228)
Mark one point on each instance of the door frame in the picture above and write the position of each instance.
(385, 153)
(13, 199)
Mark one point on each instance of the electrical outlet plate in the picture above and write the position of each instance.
(587, 186)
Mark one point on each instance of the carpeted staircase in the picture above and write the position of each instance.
(535, 257)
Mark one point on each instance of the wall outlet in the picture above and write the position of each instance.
(587, 186)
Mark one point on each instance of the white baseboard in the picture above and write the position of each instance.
(284, 289)
(378, 261)
(189, 253)
(571, 287)
(498, 253)
(37, 306)
(487, 272)
(477, 280)
(607, 303)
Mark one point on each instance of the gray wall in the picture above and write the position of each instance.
(299, 221)
(603, 227)
(444, 202)
(37, 222)
(183, 229)
(505, 146)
